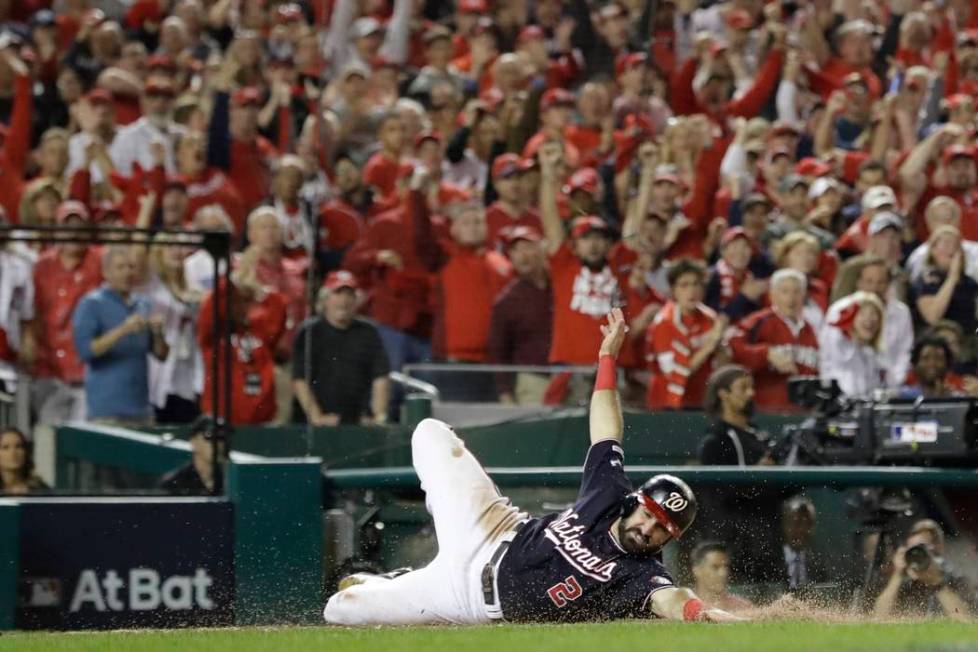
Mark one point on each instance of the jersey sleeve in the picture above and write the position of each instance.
(659, 578)
(604, 483)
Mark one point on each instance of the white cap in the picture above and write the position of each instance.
(858, 25)
(787, 273)
(885, 220)
(365, 27)
(877, 197)
(821, 185)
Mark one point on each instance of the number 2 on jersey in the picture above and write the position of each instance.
(566, 591)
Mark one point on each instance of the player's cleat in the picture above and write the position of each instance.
(397, 572)
(362, 578)
(355, 580)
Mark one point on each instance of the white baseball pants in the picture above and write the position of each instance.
(471, 520)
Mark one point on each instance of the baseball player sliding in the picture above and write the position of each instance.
(597, 560)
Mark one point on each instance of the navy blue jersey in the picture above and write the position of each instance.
(567, 567)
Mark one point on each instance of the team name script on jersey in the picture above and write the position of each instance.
(565, 536)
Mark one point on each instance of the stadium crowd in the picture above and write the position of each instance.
(787, 186)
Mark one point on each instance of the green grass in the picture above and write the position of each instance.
(608, 637)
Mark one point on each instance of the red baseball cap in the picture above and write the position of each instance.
(72, 208)
(812, 167)
(159, 86)
(631, 60)
(340, 279)
(514, 234)
(530, 33)
(556, 97)
(587, 224)
(163, 61)
(739, 19)
(472, 6)
(585, 179)
(957, 150)
(666, 175)
(491, 98)
(379, 62)
(733, 233)
(247, 96)
(99, 96)
(506, 165)
(427, 135)
(108, 211)
(957, 100)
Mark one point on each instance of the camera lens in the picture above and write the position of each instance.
(918, 557)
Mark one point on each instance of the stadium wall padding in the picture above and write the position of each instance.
(278, 540)
(558, 440)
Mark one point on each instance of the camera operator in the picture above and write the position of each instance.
(746, 517)
(729, 403)
(923, 581)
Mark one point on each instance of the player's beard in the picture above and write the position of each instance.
(748, 409)
(633, 541)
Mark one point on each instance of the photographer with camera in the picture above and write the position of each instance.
(733, 441)
(923, 581)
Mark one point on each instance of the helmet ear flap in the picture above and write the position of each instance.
(629, 504)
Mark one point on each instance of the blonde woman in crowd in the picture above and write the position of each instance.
(849, 346)
(175, 383)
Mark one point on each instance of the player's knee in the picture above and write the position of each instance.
(338, 610)
(431, 432)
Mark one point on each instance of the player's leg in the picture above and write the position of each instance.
(422, 597)
(467, 509)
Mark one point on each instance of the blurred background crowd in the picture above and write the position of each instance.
(787, 186)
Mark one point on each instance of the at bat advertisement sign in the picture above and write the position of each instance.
(125, 563)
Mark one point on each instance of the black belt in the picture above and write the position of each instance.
(488, 571)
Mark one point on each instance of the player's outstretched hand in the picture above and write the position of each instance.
(721, 616)
(614, 333)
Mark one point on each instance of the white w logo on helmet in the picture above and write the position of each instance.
(675, 502)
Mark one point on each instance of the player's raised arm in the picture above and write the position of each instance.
(606, 420)
(677, 603)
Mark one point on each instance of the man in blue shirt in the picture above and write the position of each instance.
(113, 335)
